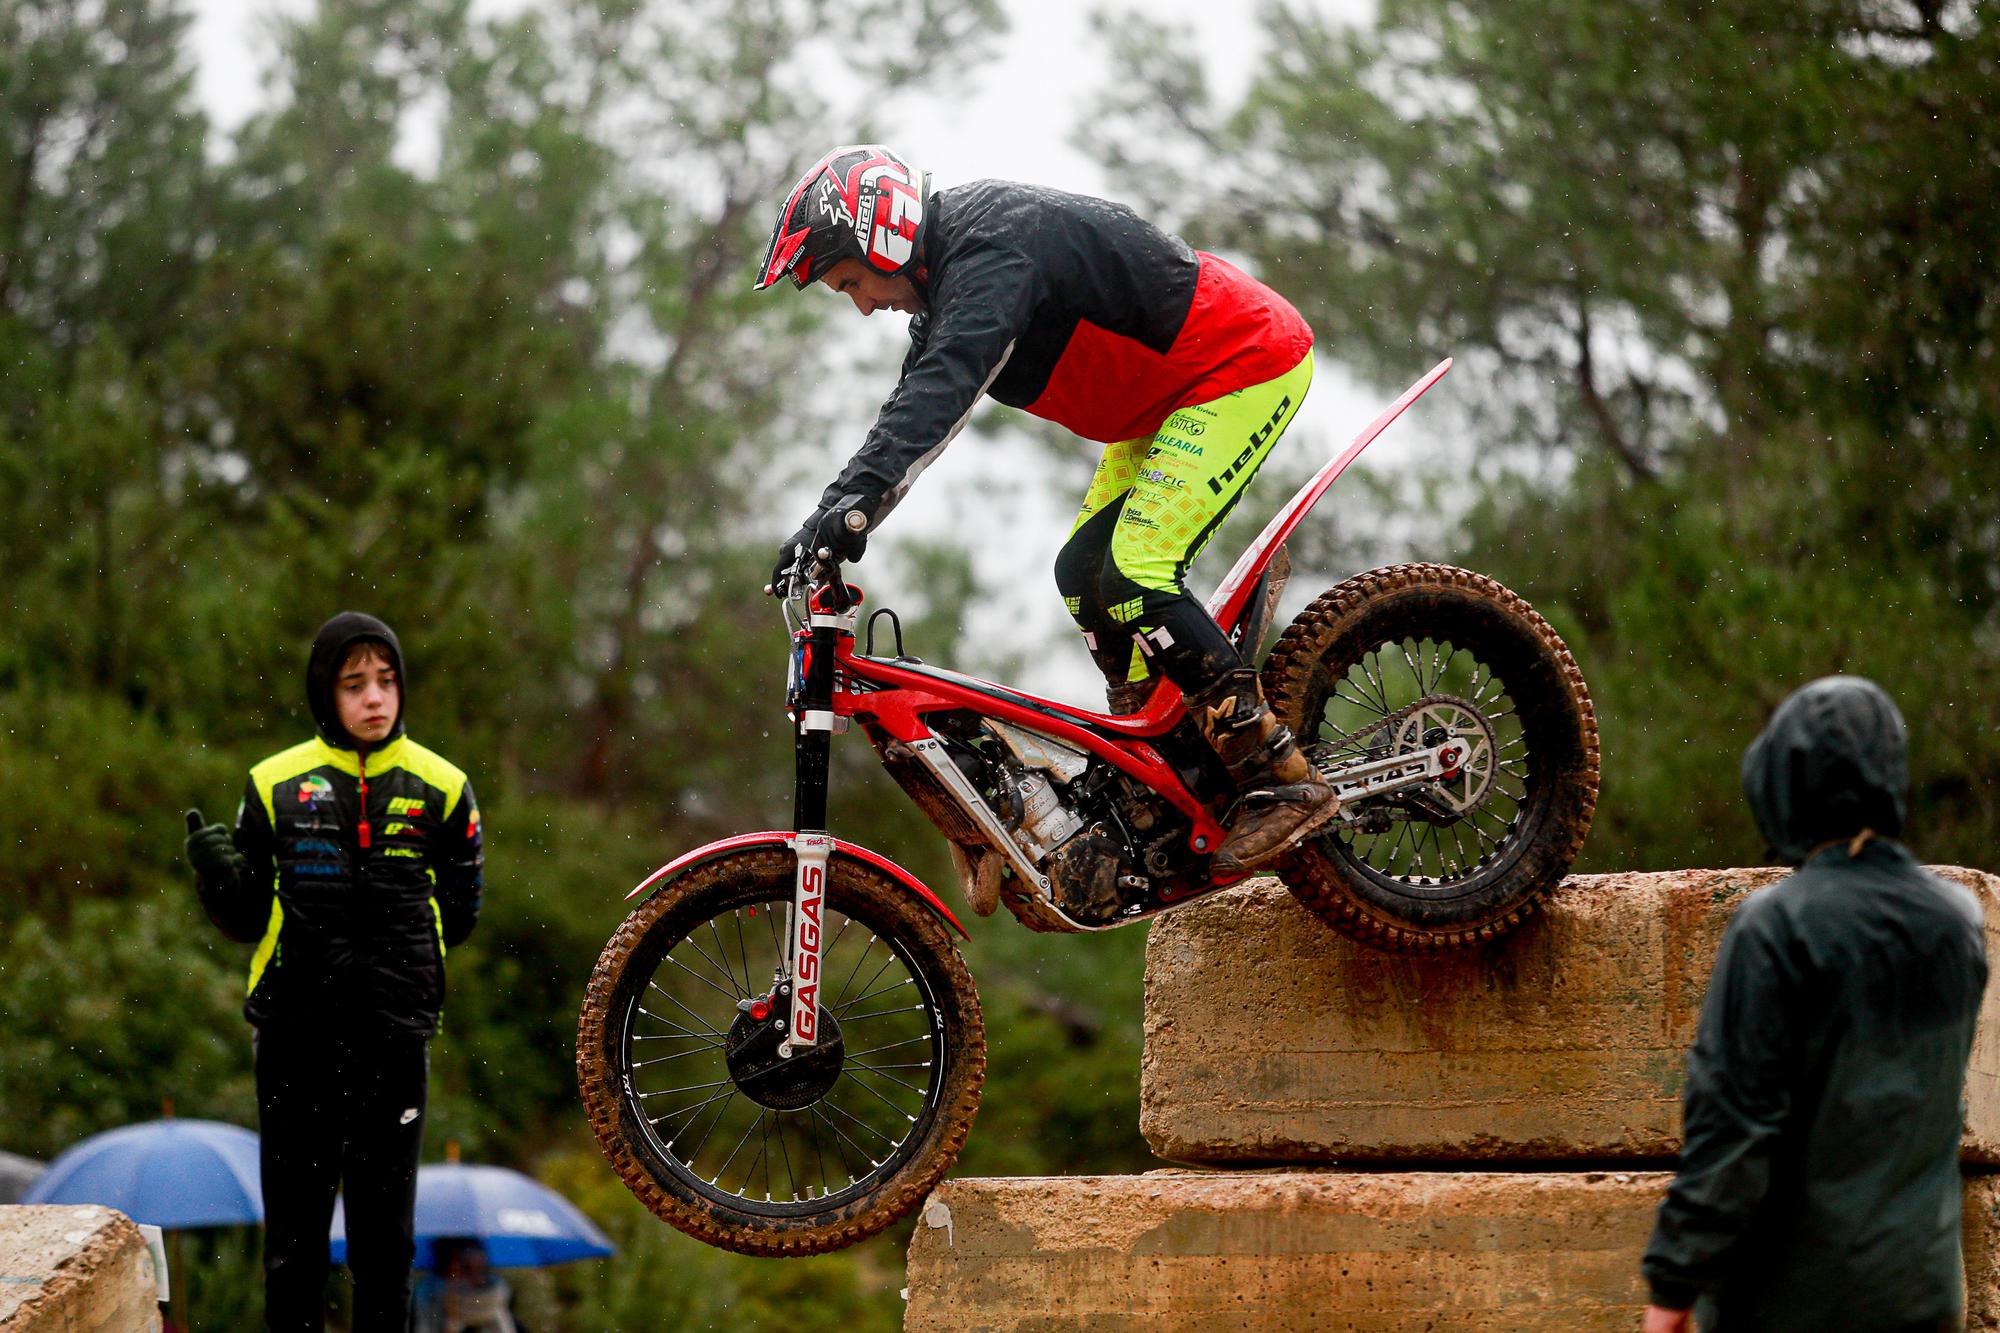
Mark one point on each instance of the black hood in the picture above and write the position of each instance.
(1833, 760)
(330, 648)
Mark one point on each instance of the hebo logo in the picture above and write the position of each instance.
(313, 789)
(1257, 440)
(406, 805)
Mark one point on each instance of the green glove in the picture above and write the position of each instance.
(212, 852)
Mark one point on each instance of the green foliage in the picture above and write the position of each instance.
(1710, 598)
(126, 1005)
(100, 168)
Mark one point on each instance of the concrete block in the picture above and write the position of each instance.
(1270, 1038)
(72, 1268)
(1981, 1230)
(1284, 1252)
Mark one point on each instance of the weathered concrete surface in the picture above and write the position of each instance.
(1270, 1038)
(1267, 1252)
(1981, 1229)
(74, 1269)
(1281, 1251)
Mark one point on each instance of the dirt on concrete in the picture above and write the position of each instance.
(1272, 1039)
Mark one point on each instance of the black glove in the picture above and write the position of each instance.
(788, 557)
(828, 530)
(212, 852)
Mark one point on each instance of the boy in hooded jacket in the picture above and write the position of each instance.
(354, 864)
(1819, 1182)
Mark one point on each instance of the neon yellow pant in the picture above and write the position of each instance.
(1151, 508)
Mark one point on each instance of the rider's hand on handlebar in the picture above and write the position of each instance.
(842, 532)
(788, 563)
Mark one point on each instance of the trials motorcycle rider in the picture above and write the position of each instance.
(1077, 310)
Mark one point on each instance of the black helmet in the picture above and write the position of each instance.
(858, 202)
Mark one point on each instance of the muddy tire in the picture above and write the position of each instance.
(1378, 646)
(897, 1075)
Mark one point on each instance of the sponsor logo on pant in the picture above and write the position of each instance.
(1257, 441)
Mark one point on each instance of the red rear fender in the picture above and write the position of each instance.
(780, 838)
(1233, 593)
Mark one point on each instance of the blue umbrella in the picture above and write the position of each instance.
(169, 1173)
(521, 1222)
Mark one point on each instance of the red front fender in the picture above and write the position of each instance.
(780, 838)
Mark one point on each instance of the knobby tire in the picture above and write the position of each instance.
(1438, 602)
(862, 893)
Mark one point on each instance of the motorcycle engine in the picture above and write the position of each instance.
(1032, 776)
(1092, 829)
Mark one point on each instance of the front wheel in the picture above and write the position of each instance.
(717, 1133)
(1414, 657)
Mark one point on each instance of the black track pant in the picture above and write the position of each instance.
(339, 1113)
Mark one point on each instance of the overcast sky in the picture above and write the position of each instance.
(1013, 118)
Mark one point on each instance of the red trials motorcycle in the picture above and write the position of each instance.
(781, 1050)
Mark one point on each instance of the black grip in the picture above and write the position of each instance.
(195, 821)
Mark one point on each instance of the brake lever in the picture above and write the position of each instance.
(789, 589)
(826, 574)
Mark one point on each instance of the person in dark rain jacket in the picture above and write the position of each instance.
(1819, 1183)
(355, 863)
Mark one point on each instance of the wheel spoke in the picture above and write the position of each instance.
(891, 1077)
(737, 1149)
(721, 952)
(841, 1003)
(857, 1121)
(679, 1032)
(880, 1013)
(672, 1115)
(677, 1055)
(778, 949)
(890, 1046)
(860, 958)
(786, 1153)
(654, 985)
(731, 996)
(859, 1150)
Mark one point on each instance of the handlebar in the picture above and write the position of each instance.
(821, 573)
(824, 571)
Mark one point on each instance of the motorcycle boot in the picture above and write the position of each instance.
(1281, 798)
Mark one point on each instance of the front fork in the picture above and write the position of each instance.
(811, 700)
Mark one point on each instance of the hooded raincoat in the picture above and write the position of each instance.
(362, 864)
(1819, 1183)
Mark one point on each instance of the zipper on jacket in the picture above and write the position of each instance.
(362, 759)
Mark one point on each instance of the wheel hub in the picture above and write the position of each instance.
(1442, 719)
(770, 1079)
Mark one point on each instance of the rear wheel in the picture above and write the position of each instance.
(1410, 657)
(717, 1132)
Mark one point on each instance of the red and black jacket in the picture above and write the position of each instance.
(1071, 308)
